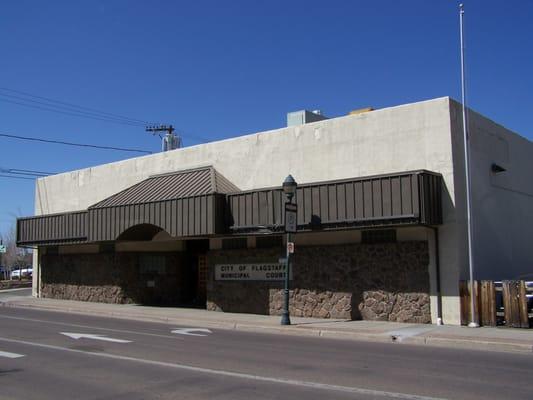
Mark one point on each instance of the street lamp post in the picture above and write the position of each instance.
(289, 188)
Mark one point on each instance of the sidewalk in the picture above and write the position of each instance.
(491, 339)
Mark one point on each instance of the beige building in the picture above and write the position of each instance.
(381, 219)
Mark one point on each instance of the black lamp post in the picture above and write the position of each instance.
(289, 188)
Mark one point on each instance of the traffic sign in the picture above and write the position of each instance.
(3, 248)
(291, 212)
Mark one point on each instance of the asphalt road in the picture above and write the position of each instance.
(139, 360)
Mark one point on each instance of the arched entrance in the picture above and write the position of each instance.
(169, 271)
(144, 232)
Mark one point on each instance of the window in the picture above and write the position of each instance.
(264, 242)
(52, 250)
(234, 243)
(107, 247)
(152, 264)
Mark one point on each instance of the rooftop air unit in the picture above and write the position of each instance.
(304, 117)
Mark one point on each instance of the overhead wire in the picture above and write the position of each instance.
(24, 172)
(16, 177)
(31, 171)
(34, 139)
(67, 108)
(61, 107)
(75, 106)
(75, 114)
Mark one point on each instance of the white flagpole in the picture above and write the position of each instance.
(472, 323)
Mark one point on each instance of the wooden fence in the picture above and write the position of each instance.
(498, 303)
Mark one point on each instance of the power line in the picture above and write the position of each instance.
(24, 172)
(31, 171)
(73, 144)
(93, 110)
(16, 177)
(77, 110)
(64, 110)
(71, 113)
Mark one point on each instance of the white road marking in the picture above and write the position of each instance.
(91, 327)
(238, 375)
(10, 355)
(92, 336)
(189, 331)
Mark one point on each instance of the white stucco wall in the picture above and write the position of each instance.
(502, 204)
(408, 137)
(402, 138)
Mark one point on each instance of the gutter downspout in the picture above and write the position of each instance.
(437, 273)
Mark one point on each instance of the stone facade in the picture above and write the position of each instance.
(111, 278)
(384, 282)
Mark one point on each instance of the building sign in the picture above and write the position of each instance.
(290, 217)
(251, 272)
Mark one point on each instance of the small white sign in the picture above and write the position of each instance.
(290, 247)
(251, 272)
(291, 213)
(3, 248)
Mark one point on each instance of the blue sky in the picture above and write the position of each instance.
(217, 69)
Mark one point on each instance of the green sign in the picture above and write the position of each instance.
(3, 248)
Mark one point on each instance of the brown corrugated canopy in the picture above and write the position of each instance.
(177, 185)
(201, 202)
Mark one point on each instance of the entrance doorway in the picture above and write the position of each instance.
(195, 276)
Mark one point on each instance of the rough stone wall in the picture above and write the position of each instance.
(109, 278)
(384, 282)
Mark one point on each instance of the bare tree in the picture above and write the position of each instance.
(14, 257)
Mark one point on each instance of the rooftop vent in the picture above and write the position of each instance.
(360, 111)
(304, 117)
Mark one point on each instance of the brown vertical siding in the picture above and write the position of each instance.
(179, 217)
(413, 197)
(395, 199)
(55, 228)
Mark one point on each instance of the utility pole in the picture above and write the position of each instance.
(466, 143)
(170, 141)
(2, 250)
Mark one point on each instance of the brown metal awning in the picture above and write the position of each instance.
(200, 202)
(410, 198)
(176, 185)
(65, 228)
(185, 203)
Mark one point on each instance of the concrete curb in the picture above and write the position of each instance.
(479, 344)
(299, 330)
